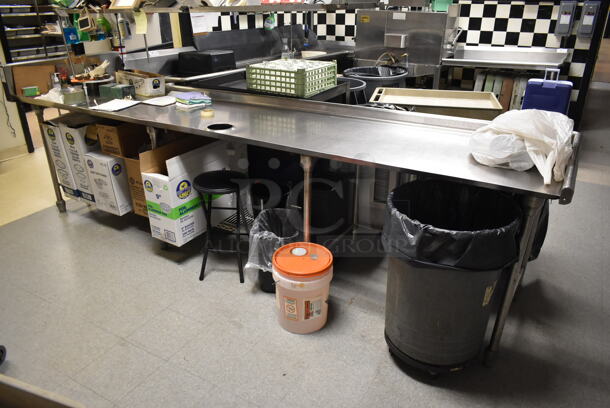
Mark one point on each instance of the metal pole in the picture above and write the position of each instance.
(306, 163)
(532, 207)
(63, 36)
(60, 203)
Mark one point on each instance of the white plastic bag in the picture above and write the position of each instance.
(519, 139)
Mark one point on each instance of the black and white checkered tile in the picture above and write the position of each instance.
(244, 21)
(337, 25)
(521, 24)
(486, 22)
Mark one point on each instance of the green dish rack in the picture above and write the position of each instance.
(300, 78)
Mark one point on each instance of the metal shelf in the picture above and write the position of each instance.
(265, 8)
(23, 37)
(39, 56)
(32, 14)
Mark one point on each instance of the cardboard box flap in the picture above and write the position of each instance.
(154, 161)
(192, 162)
(75, 120)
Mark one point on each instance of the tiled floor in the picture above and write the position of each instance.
(92, 308)
(25, 181)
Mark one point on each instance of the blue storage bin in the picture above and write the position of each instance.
(548, 94)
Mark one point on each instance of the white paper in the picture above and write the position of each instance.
(115, 105)
(588, 20)
(160, 101)
(204, 22)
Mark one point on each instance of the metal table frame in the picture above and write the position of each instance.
(425, 139)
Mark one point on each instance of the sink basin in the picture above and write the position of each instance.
(376, 72)
(538, 58)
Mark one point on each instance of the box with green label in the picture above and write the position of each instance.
(174, 207)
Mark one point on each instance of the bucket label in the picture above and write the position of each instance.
(290, 308)
(313, 308)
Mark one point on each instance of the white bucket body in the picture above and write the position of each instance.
(302, 303)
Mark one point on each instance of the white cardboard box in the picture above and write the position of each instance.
(145, 83)
(108, 178)
(52, 134)
(174, 207)
(74, 137)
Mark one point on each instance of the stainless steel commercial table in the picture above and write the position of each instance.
(417, 143)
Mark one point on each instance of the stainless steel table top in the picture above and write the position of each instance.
(420, 143)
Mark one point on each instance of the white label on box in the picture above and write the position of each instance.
(588, 20)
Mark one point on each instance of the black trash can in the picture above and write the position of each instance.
(272, 228)
(447, 245)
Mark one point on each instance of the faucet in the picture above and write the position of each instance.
(389, 57)
(450, 47)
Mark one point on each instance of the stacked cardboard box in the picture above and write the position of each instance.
(52, 136)
(79, 137)
(109, 183)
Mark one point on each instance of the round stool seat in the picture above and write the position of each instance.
(218, 182)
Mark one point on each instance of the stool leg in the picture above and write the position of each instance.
(238, 240)
(207, 210)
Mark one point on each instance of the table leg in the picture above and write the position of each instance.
(436, 80)
(306, 163)
(60, 203)
(532, 207)
(152, 133)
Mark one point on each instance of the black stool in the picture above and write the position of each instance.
(220, 182)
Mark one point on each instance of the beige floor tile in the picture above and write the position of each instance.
(166, 333)
(119, 371)
(25, 186)
(169, 386)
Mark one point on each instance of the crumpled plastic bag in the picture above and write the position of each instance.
(520, 139)
(272, 229)
(54, 95)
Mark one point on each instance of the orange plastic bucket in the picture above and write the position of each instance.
(302, 272)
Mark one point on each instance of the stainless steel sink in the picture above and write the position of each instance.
(538, 58)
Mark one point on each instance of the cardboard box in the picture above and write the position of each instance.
(79, 138)
(174, 207)
(33, 75)
(57, 151)
(153, 160)
(109, 183)
(146, 83)
(122, 139)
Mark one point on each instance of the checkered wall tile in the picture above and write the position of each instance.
(337, 25)
(520, 24)
(243, 21)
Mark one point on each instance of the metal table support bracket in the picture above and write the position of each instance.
(532, 207)
(60, 203)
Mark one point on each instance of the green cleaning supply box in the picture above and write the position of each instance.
(174, 206)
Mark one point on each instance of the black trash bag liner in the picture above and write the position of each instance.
(452, 224)
(272, 229)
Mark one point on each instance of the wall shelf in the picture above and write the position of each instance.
(264, 8)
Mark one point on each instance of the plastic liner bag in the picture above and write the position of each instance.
(452, 224)
(520, 139)
(272, 228)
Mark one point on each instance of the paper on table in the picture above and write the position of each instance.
(160, 101)
(141, 22)
(204, 22)
(115, 105)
